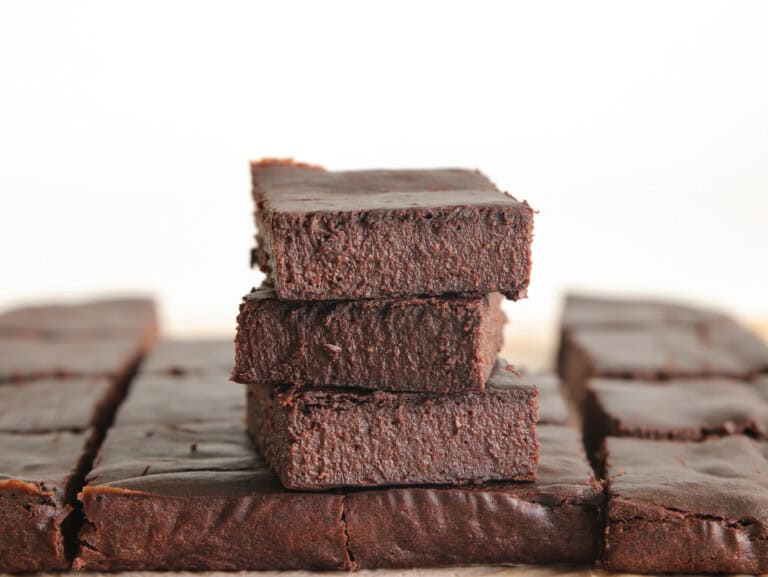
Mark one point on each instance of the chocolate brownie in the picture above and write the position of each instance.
(556, 519)
(681, 507)
(134, 318)
(50, 405)
(39, 475)
(197, 356)
(186, 398)
(196, 497)
(329, 437)
(653, 341)
(388, 233)
(437, 344)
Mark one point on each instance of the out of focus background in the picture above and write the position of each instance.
(639, 130)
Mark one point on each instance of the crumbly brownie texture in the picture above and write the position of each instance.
(652, 341)
(679, 507)
(388, 233)
(197, 497)
(38, 475)
(321, 438)
(203, 356)
(437, 344)
(556, 519)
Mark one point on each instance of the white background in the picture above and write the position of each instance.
(639, 131)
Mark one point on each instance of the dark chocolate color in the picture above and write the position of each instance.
(49, 405)
(22, 359)
(38, 475)
(379, 233)
(196, 497)
(653, 341)
(198, 356)
(438, 344)
(688, 410)
(552, 406)
(553, 520)
(188, 398)
(679, 507)
(321, 438)
(133, 318)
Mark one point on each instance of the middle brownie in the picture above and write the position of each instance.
(329, 437)
(436, 344)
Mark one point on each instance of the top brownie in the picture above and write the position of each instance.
(368, 234)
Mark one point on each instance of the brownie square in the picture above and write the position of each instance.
(388, 233)
(196, 497)
(437, 344)
(681, 507)
(39, 474)
(652, 340)
(328, 437)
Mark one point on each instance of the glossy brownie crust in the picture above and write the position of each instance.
(322, 438)
(437, 344)
(556, 519)
(678, 507)
(652, 340)
(388, 233)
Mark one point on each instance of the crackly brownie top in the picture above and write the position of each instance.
(677, 406)
(297, 188)
(51, 404)
(46, 462)
(725, 478)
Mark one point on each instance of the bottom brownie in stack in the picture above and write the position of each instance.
(169, 494)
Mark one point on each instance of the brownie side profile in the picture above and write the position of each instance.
(38, 475)
(556, 519)
(679, 507)
(652, 340)
(196, 497)
(388, 233)
(437, 344)
(322, 438)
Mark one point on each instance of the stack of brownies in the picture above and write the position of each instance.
(370, 359)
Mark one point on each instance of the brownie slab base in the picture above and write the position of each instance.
(439, 344)
(322, 438)
(388, 233)
(678, 507)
